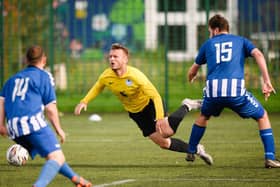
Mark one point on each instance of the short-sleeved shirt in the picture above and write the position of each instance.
(25, 94)
(225, 55)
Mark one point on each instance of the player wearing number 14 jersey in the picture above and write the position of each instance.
(24, 99)
(225, 55)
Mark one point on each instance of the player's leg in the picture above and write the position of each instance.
(46, 144)
(209, 107)
(67, 171)
(197, 133)
(177, 145)
(50, 169)
(172, 144)
(267, 138)
(176, 117)
(56, 164)
(145, 121)
(252, 108)
(165, 129)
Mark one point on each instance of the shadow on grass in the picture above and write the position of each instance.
(149, 166)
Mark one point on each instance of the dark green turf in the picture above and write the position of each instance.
(114, 150)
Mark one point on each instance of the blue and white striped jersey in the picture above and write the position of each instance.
(25, 94)
(225, 56)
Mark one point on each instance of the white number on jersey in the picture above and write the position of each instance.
(223, 52)
(20, 89)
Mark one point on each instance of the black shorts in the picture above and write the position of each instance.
(146, 119)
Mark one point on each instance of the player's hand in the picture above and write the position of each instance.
(158, 125)
(163, 127)
(3, 130)
(61, 135)
(192, 79)
(267, 89)
(192, 73)
(79, 108)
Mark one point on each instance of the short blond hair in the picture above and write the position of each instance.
(115, 46)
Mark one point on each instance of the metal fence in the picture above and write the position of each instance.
(162, 35)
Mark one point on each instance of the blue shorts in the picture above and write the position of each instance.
(246, 106)
(42, 142)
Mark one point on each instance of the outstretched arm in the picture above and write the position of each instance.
(92, 93)
(267, 87)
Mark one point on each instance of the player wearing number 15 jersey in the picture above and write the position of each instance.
(225, 55)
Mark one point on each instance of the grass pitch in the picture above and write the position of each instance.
(114, 153)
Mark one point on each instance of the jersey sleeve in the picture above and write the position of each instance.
(149, 90)
(201, 57)
(94, 91)
(48, 89)
(248, 47)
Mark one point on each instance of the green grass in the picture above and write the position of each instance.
(114, 150)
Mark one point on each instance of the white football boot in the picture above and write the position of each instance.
(272, 163)
(192, 103)
(203, 155)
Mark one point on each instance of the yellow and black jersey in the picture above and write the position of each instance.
(133, 89)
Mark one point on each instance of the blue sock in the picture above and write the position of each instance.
(268, 143)
(67, 171)
(196, 135)
(49, 171)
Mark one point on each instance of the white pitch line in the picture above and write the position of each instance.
(115, 183)
(190, 179)
(215, 179)
(144, 140)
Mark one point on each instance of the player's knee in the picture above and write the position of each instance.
(163, 145)
(167, 134)
(58, 156)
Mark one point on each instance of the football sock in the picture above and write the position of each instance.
(268, 143)
(49, 171)
(67, 171)
(176, 117)
(178, 145)
(196, 135)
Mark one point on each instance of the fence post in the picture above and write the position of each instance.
(51, 37)
(166, 30)
(1, 45)
(207, 16)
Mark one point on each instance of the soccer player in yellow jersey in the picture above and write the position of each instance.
(143, 102)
